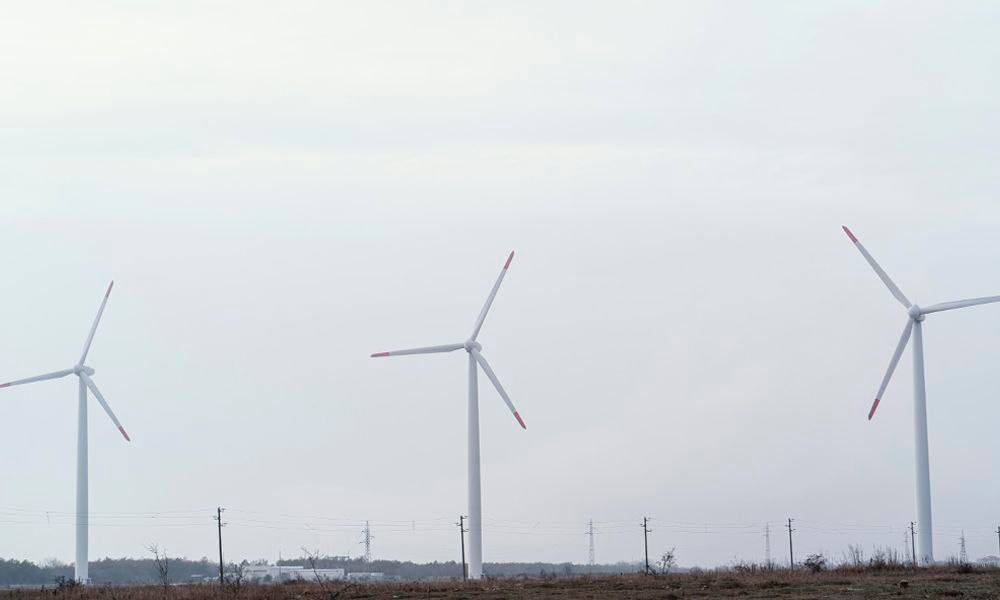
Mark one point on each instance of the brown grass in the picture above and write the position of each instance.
(934, 583)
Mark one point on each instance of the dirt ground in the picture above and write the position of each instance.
(938, 583)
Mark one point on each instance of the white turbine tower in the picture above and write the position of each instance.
(473, 348)
(914, 325)
(83, 372)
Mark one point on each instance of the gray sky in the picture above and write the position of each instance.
(280, 191)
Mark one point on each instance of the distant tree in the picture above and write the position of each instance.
(162, 564)
(667, 561)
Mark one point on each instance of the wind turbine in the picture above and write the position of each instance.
(474, 350)
(83, 373)
(914, 325)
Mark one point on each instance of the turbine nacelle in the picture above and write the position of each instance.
(471, 345)
(916, 313)
(83, 369)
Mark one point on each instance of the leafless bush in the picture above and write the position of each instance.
(855, 556)
(885, 559)
(162, 564)
(962, 567)
(236, 578)
(815, 562)
(312, 557)
(747, 568)
(667, 561)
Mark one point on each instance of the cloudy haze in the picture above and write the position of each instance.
(279, 191)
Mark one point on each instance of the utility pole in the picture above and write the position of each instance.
(791, 556)
(462, 530)
(590, 533)
(366, 541)
(913, 543)
(767, 544)
(218, 519)
(645, 540)
(998, 538)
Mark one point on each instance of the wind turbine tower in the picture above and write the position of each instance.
(83, 374)
(476, 362)
(914, 326)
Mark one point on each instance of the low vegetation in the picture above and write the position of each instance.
(837, 582)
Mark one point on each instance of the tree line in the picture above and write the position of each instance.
(120, 571)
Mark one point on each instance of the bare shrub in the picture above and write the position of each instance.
(746, 568)
(855, 556)
(815, 562)
(312, 558)
(236, 578)
(668, 561)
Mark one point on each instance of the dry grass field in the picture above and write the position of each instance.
(935, 583)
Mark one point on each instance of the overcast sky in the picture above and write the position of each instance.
(280, 189)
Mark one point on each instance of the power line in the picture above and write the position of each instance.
(791, 555)
(590, 533)
(767, 544)
(218, 519)
(462, 531)
(366, 540)
(645, 540)
(906, 543)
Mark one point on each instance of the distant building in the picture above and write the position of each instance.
(282, 573)
(365, 576)
(325, 574)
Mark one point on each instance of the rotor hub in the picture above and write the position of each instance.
(915, 313)
(471, 345)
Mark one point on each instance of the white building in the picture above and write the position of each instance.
(280, 573)
(365, 576)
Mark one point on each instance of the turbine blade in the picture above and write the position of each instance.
(496, 383)
(53, 375)
(493, 294)
(425, 350)
(878, 270)
(104, 403)
(959, 304)
(903, 339)
(93, 328)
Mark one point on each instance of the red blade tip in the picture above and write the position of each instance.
(122, 429)
(111, 285)
(509, 258)
(871, 413)
(520, 420)
(378, 354)
(3, 385)
(849, 234)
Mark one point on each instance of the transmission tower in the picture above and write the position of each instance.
(366, 541)
(767, 544)
(590, 533)
(963, 557)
